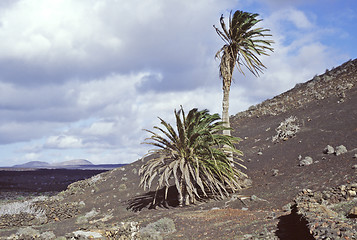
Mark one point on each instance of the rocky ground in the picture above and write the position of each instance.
(330, 214)
(301, 156)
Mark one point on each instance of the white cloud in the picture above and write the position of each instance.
(50, 30)
(299, 21)
(31, 157)
(81, 79)
(298, 54)
(109, 90)
(13, 132)
(100, 129)
(63, 141)
(65, 37)
(298, 18)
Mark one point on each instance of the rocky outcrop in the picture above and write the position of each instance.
(287, 129)
(330, 213)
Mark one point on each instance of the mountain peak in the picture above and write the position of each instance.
(74, 162)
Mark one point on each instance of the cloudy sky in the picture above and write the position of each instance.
(82, 78)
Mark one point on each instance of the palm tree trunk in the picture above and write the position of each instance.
(227, 74)
(187, 199)
(225, 111)
(180, 194)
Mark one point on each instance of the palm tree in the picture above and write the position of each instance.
(194, 156)
(243, 45)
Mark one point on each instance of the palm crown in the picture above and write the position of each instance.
(242, 44)
(194, 156)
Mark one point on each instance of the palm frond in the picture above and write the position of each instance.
(194, 155)
(243, 44)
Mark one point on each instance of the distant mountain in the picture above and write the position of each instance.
(75, 162)
(33, 164)
(71, 164)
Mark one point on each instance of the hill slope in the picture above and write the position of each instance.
(75, 162)
(32, 164)
(326, 114)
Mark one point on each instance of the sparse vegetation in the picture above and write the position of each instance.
(194, 155)
(21, 207)
(156, 229)
(89, 215)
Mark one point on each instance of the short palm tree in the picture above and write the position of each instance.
(243, 44)
(194, 156)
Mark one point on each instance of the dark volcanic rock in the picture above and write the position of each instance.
(328, 213)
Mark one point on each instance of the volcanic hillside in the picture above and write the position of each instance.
(282, 163)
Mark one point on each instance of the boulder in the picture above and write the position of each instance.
(329, 150)
(340, 150)
(352, 193)
(306, 161)
(353, 212)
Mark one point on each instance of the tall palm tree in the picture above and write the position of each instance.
(243, 44)
(194, 156)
